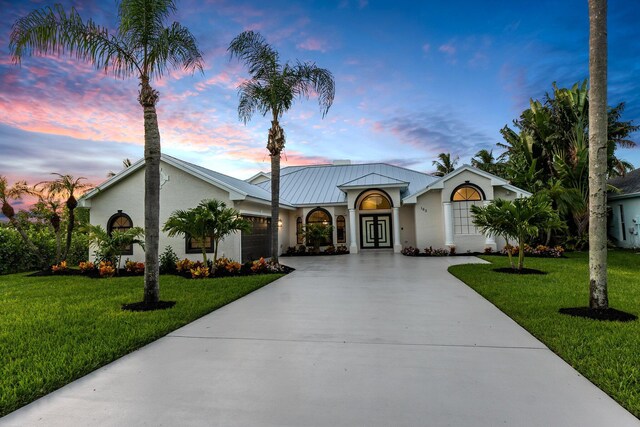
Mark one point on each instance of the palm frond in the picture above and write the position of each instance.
(307, 77)
(176, 47)
(259, 57)
(52, 31)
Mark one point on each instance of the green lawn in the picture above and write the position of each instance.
(607, 353)
(57, 329)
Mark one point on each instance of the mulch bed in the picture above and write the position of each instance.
(142, 306)
(608, 314)
(524, 271)
(313, 254)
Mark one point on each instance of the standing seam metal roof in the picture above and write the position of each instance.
(317, 185)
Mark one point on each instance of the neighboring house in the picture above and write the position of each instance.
(624, 210)
(370, 206)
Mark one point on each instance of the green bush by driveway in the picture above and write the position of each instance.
(607, 353)
(57, 329)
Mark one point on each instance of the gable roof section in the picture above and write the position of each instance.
(319, 185)
(629, 185)
(439, 183)
(374, 180)
(237, 188)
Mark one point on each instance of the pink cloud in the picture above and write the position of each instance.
(313, 44)
(448, 48)
(426, 47)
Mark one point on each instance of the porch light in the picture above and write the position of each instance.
(279, 222)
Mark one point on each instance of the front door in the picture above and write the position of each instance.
(375, 231)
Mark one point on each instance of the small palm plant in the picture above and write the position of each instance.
(314, 234)
(110, 246)
(520, 219)
(444, 164)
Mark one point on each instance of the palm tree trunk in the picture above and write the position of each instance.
(70, 224)
(148, 99)
(598, 297)
(521, 254)
(275, 204)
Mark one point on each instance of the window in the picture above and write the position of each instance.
(375, 201)
(341, 229)
(320, 216)
(299, 234)
(194, 246)
(463, 197)
(121, 222)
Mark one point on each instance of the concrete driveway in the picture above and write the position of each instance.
(361, 340)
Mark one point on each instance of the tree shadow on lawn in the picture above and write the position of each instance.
(523, 271)
(607, 314)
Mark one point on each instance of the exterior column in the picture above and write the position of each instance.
(353, 239)
(397, 245)
(490, 240)
(448, 224)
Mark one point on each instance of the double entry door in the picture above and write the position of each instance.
(375, 231)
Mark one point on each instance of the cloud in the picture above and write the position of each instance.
(426, 47)
(435, 132)
(313, 44)
(448, 48)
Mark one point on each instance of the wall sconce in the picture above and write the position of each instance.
(325, 222)
(279, 222)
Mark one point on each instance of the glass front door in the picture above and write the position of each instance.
(375, 231)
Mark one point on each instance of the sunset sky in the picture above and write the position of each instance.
(413, 79)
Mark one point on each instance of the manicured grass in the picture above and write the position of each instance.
(57, 329)
(607, 353)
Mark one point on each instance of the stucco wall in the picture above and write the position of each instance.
(181, 191)
(429, 228)
(407, 226)
(631, 209)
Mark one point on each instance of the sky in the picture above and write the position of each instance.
(413, 79)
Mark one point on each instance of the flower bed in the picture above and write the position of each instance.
(302, 250)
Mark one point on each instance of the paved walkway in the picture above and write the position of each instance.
(366, 340)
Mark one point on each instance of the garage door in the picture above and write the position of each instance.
(256, 243)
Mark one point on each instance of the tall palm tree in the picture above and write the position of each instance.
(598, 295)
(142, 47)
(66, 186)
(126, 163)
(272, 88)
(444, 164)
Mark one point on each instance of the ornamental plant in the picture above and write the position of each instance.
(410, 251)
(59, 268)
(184, 265)
(106, 269)
(199, 272)
(86, 266)
(259, 266)
(134, 267)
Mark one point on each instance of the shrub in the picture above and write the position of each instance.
(452, 250)
(540, 250)
(410, 251)
(226, 267)
(199, 272)
(437, 252)
(86, 266)
(342, 249)
(106, 269)
(134, 267)
(168, 261)
(302, 249)
(184, 266)
(488, 250)
(291, 250)
(330, 250)
(259, 266)
(59, 268)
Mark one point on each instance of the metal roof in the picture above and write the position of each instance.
(374, 179)
(628, 184)
(318, 185)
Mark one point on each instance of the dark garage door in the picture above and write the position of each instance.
(256, 243)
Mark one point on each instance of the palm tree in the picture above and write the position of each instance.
(444, 164)
(485, 161)
(193, 223)
(66, 186)
(598, 123)
(519, 219)
(272, 88)
(126, 163)
(111, 245)
(142, 47)
(48, 208)
(225, 221)
(16, 192)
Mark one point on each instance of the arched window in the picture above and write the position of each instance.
(320, 216)
(299, 234)
(121, 222)
(375, 201)
(462, 198)
(341, 229)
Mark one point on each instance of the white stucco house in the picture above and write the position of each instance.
(373, 206)
(624, 210)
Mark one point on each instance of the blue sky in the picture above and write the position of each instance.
(413, 79)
